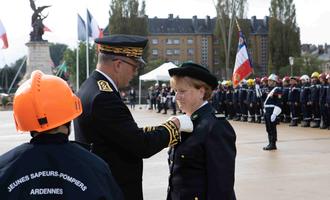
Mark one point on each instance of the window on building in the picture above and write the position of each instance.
(155, 52)
(169, 51)
(177, 51)
(216, 61)
(216, 52)
(190, 41)
(169, 41)
(154, 41)
(190, 52)
(176, 41)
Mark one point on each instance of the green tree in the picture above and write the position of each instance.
(70, 59)
(284, 34)
(126, 18)
(56, 52)
(227, 12)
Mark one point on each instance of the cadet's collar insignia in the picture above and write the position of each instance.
(194, 116)
(104, 86)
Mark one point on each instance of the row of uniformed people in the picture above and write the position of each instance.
(303, 99)
(162, 98)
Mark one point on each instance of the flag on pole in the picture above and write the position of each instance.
(243, 67)
(81, 29)
(3, 36)
(93, 27)
(46, 29)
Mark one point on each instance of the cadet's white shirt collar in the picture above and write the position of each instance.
(108, 77)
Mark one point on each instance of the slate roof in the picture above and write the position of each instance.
(176, 25)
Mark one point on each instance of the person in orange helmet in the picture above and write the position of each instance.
(49, 166)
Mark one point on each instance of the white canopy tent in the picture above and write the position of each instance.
(158, 74)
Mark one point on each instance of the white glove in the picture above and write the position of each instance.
(186, 124)
(277, 110)
(273, 117)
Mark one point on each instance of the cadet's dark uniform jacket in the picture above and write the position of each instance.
(50, 167)
(202, 166)
(108, 124)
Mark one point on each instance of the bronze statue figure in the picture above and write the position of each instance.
(36, 22)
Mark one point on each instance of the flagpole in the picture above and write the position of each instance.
(87, 46)
(77, 67)
(237, 24)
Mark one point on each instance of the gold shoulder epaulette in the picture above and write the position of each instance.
(104, 86)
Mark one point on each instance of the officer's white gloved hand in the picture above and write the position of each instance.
(273, 118)
(186, 124)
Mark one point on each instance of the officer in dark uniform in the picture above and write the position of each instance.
(236, 105)
(229, 101)
(327, 104)
(322, 101)
(264, 92)
(314, 100)
(202, 164)
(293, 100)
(107, 122)
(49, 166)
(242, 94)
(272, 110)
(285, 95)
(305, 94)
(257, 99)
(250, 100)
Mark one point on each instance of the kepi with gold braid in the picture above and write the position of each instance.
(131, 46)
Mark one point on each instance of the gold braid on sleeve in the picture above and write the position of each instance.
(173, 132)
(149, 128)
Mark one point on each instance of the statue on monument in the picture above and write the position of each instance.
(36, 22)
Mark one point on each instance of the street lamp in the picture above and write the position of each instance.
(291, 61)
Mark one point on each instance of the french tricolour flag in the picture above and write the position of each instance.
(243, 67)
(3, 36)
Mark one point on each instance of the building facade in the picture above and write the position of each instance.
(194, 40)
(183, 40)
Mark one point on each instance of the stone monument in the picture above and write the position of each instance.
(38, 57)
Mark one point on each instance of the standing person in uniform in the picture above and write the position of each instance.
(285, 96)
(314, 100)
(202, 165)
(132, 97)
(305, 94)
(327, 104)
(293, 100)
(49, 166)
(322, 101)
(272, 110)
(107, 122)
(251, 104)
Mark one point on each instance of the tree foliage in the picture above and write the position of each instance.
(56, 52)
(126, 18)
(8, 73)
(227, 12)
(70, 59)
(284, 34)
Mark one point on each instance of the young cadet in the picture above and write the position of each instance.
(49, 166)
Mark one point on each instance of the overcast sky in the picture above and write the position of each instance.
(312, 18)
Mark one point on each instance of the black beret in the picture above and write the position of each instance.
(195, 71)
(124, 45)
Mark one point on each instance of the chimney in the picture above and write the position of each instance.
(195, 23)
(170, 16)
(207, 21)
